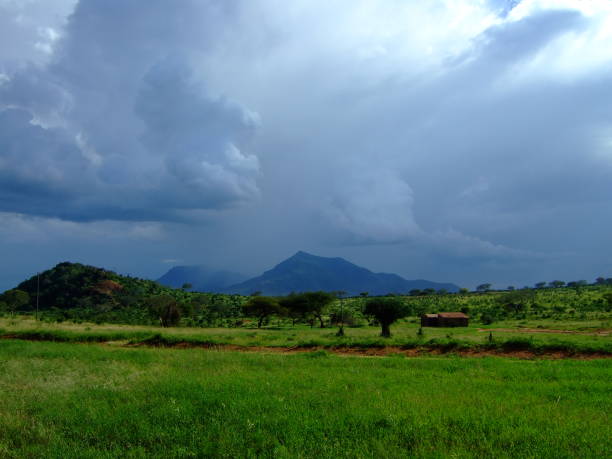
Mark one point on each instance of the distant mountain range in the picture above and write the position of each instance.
(201, 278)
(305, 272)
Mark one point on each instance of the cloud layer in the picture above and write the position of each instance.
(452, 139)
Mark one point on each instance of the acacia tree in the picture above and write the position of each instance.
(165, 308)
(308, 304)
(386, 311)
(293, 306)
(316, 304)
(261, 307)
(556, 283)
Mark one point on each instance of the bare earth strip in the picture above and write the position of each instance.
(355, 351)
(545, 330)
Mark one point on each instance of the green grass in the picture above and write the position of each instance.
(61, 400)
(507, 336)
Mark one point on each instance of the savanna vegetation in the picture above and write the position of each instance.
(79, 293)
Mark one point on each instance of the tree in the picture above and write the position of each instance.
(187, 286)
(340, 294)
(386, 311)
(540, 285)
(164, 308)
(556, 284)
(316, 303)
(464, 291)
(292, 304)
(15, 299)
(517, 300)
(578, 285)
(414, 292)
(261, 307)
(483, 288)
(608, 299)
(510, 288)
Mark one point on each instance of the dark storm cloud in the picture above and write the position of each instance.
(457, 140)
(117, 127)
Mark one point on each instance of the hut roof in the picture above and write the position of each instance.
(453, 315)
(430, 316)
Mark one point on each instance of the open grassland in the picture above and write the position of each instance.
(540, 336)
(62, 400)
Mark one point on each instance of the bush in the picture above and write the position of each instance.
(487, 319)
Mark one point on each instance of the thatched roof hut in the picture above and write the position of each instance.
(445, 319)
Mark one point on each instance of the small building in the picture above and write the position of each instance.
(445, 319)
(429, 320)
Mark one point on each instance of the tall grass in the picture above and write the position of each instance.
(68, 400)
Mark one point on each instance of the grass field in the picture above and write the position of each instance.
(87, 400)
(592, 335)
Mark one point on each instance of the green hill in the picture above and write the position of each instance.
(80, 292)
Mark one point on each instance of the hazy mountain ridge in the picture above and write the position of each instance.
(306, 272)
(202, 278)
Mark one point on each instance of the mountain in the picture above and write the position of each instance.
(305, 272)
(201, 278)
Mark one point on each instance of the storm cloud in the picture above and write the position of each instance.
(455, 140)
(122, 127)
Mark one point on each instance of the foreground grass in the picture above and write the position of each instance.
(74, 400)
(506, 336)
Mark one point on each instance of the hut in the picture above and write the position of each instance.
(445, 319)
(429, 320)
(452, 319)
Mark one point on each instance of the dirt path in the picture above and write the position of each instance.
(346, 351)
(396, 350)
(546, 330)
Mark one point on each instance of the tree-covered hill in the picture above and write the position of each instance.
(81, 292)
(73, 285)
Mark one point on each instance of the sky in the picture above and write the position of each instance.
(465, 141)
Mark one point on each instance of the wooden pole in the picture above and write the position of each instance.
(37, 292)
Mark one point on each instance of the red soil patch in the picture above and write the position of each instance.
(389, 350)
(354, 351)
(545, 330)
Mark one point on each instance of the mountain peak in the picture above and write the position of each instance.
(307, 272)
(302, 254)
